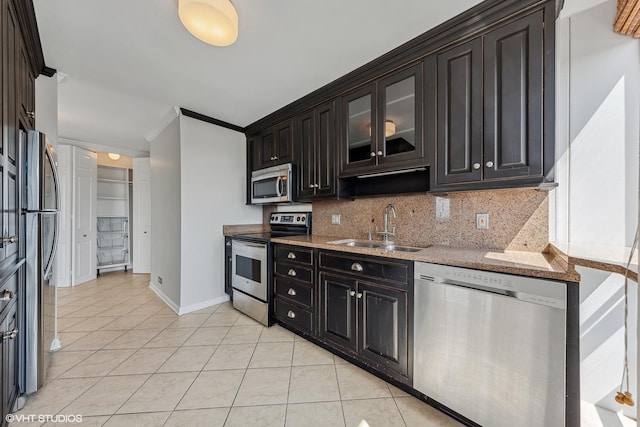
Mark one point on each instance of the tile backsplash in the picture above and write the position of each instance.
(518, 219)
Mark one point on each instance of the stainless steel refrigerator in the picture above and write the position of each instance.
(40, 207)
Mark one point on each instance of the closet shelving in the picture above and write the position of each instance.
(113, 217)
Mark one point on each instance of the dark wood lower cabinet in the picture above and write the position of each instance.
(9, 358)
(338, 306)
(364, 318)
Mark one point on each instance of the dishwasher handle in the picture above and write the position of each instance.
(548, 301)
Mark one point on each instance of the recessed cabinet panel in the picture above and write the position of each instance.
(513, 70)
(326, 144)
(359, 129)
(459, 113)
(339, 311)
(306, 165)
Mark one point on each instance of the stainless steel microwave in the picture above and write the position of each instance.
(276, 184)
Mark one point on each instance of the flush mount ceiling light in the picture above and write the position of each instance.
(113, 156)
(213, 21)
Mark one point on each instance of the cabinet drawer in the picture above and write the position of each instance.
(294, 272)
(392, 271)
(294, 316)
(294, 254)
(295, 291)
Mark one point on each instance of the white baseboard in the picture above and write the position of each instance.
(203, 304)
(172, 305)
(186, 309)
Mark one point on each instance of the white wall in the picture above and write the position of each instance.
(212, 194)
(165, 213)
(47, 107)
(598, 93)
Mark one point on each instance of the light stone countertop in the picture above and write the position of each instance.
(533, 264)
(231, 230)
(600, 257)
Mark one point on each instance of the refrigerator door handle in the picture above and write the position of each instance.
(54, 246)
(56, 182)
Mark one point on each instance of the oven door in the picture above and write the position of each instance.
(249, 264)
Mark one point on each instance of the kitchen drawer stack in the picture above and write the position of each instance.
(294, 288)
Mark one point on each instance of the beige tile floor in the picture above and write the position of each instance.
(128, 360)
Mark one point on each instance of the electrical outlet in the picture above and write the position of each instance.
(159, 280)
(482, 221)
(335, 219)
(442, 208)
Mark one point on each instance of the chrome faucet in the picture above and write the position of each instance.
(385, 232)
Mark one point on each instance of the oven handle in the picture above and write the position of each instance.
(279, 187)
(253, 245)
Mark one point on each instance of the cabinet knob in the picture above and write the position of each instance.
(275, 157)
(359, 295)
(291, 315)
(356, 266)
(379, 153)
(292, 292)
(489, 164)
(476, 166)
(6, 295)
(84, 235)
(31, 114)
(316, 185)
(10, 334)
(272, 158)
(352, 293)
(373, 154)
(291, 255)
(291, 272)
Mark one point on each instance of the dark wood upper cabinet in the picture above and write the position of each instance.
(458, 112)
(316, 141)
(471, 100)
(485, 108)
(275, 146)
(382, 125)
(513, 99)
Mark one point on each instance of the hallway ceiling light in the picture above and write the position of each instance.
(114, 156)
(213, 21)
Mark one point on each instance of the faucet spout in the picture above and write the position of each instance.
(385, 232)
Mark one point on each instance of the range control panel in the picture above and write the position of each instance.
(302, 219)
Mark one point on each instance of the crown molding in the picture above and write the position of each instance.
(164, 122)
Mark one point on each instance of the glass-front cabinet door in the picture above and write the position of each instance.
(360, 128)
(400, 129)
(383, 125)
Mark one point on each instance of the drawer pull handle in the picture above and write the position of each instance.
(356, 266)
(291, 292)
(11, 239)
(352, 293)
(359, 295)
(6, 295)
(10, 335)
(291, 315)
(291, 255)
(291, 272)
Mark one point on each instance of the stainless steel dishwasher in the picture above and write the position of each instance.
(491, 346)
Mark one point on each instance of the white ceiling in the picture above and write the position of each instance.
(129, 62)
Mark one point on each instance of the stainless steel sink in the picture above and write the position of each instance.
(374, 245)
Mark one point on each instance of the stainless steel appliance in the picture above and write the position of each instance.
(491, 346)
(273, 185)
(40, 206)
(252, 264)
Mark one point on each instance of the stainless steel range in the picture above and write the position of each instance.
(252, 264)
